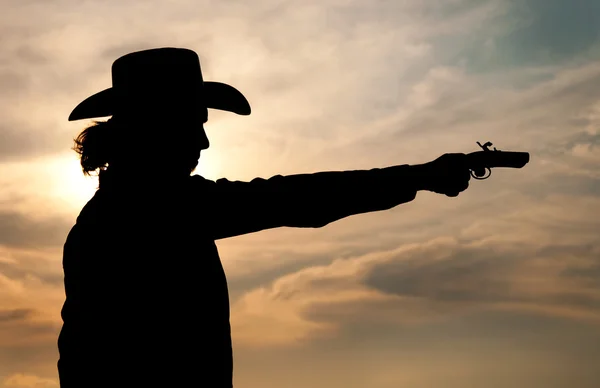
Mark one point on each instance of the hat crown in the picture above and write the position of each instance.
(158, 73)
(164, 65)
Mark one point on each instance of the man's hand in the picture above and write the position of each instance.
(449, 174)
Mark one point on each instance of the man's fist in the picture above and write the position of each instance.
(449, 174)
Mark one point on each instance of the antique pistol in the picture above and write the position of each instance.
(481, 161)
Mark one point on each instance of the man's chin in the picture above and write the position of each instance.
(193, 167)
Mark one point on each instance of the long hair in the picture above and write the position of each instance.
(95, 146)
(106, 143)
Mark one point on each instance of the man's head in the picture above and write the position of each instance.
(159, 103)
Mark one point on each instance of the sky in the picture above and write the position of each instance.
(497, 288)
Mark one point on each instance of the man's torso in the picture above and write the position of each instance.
(146, 292)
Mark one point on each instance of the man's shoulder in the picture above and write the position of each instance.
(91, 206)
(199, 180)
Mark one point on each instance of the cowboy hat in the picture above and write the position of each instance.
(159, 79)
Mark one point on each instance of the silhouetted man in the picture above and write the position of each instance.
(146, 296)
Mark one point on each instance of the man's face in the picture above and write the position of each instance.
(190, 120)
(190, 136)
(190, 125)
(177, 136)
(198, 141)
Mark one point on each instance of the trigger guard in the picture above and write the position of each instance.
(482, 177)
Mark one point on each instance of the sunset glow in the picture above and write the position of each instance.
(497, 288)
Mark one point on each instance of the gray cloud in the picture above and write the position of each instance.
(19, 230)
(36, 264)
(287, 262)
(23, 56)
(348, 69)
(341, 37)
(18, 329)
(21, 141)
(109, 54)
(27, 347)
(557, 31)
(437, 281)
(31, 86)
(20, 67)
(528, 33)
(471, 275)
(14, 315)
(485, 275)
(13, 82)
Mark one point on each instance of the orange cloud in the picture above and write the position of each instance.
(530, 265)
(20, 380)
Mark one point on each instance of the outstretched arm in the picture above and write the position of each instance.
(304, 200)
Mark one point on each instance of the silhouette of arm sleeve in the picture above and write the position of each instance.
(304, 200)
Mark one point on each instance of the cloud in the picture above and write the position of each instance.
(338, 85)
(32, 293)
(486, 276)
(13, 82)
(554, 32)
(22, 328)
(22, 141)
(21, 264)
(517, 35)
(530, 261)
(416, 287)
(556, 120)
(475, 275)
(288, 76)
(561, 172)
(11, 315)
(293, 68)
(20, 230)
(20, 380)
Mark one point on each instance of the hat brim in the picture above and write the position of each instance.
(218, 96)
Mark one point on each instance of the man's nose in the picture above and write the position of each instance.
(203, 139)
